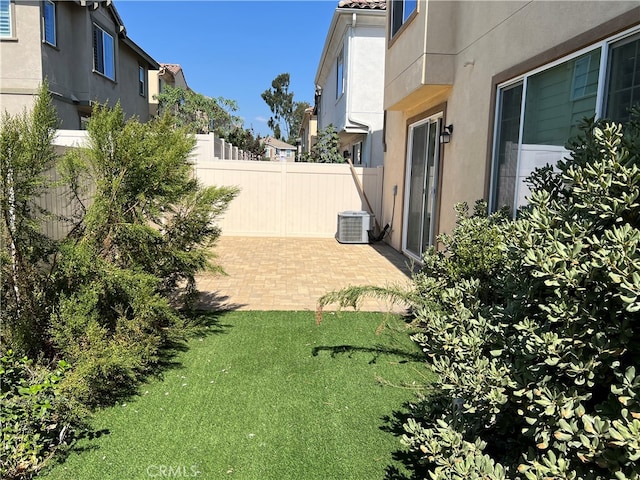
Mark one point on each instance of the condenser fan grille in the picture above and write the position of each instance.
(353, 227)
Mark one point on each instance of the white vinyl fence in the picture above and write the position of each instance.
(279, 199)
(290, 199)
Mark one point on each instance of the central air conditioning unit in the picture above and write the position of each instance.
(353, 227)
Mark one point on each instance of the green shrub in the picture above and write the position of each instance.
(532, 327)
(36, 419)
(538, 347)
(144, 236)
(27, 157)
(104, 298)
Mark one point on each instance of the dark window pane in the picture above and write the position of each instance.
(505, 168)
(623, 90)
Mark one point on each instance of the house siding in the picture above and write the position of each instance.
(453, 52)
(357, 113)
(20, 58)
(68, 67)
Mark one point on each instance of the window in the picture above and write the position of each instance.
(401, 10)
(506, 146)
(142, 74)
(340, 74)
(537, 113)
(49, 22)
(6, 30)
(103, 53)
(624, 79)
(356, 153)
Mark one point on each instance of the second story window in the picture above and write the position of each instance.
(141, 80)
(103, 53)
(5, 19)
(340, 74)
(49, 22)
(401, 10)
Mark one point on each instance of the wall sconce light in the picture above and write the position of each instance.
(445, 135)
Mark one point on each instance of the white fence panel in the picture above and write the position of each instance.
(278, 199)
(283, 199)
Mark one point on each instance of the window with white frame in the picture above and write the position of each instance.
(6, 22)
(142, 76)
(49, 22)
(401, 10)
(340, 74)
(103, 53)
(538, 112)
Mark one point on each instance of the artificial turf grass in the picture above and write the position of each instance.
(270, 395)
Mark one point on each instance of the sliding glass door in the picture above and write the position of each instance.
(422, 180)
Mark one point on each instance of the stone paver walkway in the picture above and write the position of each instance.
(292, 273)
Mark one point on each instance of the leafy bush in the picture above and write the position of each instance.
(144, 236)
(532, 326)
(27, 157)
(537, 347)
(104, 298)
(36, 420)
(325, 150)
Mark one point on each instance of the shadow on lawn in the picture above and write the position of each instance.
(405, 464)
(198, 324)
(377, 351)
(410, 461)
(427, 407)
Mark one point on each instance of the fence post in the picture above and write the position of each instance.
(212, 145)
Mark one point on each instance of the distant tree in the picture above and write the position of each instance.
(296, 120)
(199, 113)
(287, 113)
(247, 141)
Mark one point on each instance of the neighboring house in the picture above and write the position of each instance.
(81, 48)
(350, 80)
(169, 74)
(513, 79)
(279, 151)
(308, 130)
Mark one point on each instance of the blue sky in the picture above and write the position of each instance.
(234, 49)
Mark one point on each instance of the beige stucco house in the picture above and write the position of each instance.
(509, 81)
(168, 74)
(308, 133)
(279, 151)
(350, 80)
(81, 48)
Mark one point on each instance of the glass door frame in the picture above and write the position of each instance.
(436, 119)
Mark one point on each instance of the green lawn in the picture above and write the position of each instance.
(263, 395)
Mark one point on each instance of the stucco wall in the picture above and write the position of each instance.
(485, 39)
(360, 108)
(20, 60)
(67, 66)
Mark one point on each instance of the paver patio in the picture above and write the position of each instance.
(292, 273)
